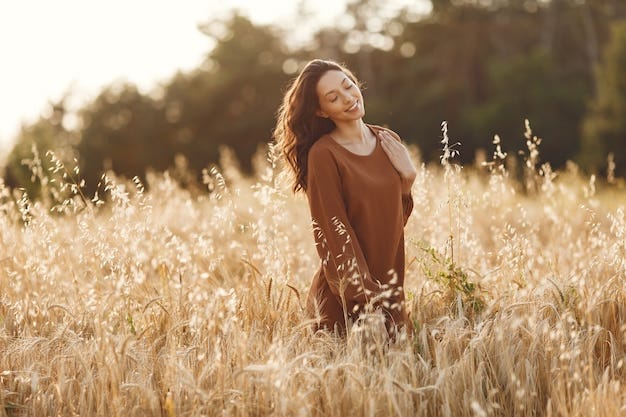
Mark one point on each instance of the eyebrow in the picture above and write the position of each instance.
(333, 90)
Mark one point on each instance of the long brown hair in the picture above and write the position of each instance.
(298, 126)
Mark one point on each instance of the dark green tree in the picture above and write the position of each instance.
(534, 87)
(234, 101)
(604, 128)
(122, 131)
(28, 164)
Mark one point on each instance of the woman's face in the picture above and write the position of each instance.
(339, 98)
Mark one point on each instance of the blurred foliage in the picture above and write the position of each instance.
(230, 100)
(484, 66)
(604, 129)
(29, 165)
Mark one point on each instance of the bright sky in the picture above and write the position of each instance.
(50, 47)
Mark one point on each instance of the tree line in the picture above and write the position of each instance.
(483, 66)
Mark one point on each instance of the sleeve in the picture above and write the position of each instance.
(407, 207)
(343, 261)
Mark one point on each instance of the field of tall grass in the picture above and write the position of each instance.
(165, 301)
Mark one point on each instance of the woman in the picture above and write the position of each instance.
(357, 178)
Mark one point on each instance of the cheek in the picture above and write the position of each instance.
(327, 107)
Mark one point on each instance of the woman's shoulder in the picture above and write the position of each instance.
(321, 147)
(378, 129)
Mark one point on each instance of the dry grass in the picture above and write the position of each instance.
(169, 303)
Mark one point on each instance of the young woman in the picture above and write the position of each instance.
(357, 178)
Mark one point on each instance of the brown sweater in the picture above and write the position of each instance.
(359, 213)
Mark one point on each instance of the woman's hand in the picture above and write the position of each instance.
(399, 156)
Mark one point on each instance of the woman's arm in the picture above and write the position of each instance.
(399, 156)
(401, 160)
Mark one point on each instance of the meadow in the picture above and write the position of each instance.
(158, 300)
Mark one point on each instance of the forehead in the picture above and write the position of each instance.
(330, 80)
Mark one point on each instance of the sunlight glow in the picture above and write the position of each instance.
(48, 49)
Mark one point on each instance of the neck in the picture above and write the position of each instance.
(352, 131)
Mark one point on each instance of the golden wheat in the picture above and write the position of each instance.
(170, 303)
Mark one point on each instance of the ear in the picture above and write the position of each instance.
(321, 114)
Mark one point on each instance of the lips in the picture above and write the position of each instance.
(354, 106)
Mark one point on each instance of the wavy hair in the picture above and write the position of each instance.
(298, 126)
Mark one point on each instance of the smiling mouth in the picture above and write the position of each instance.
(354, 106)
